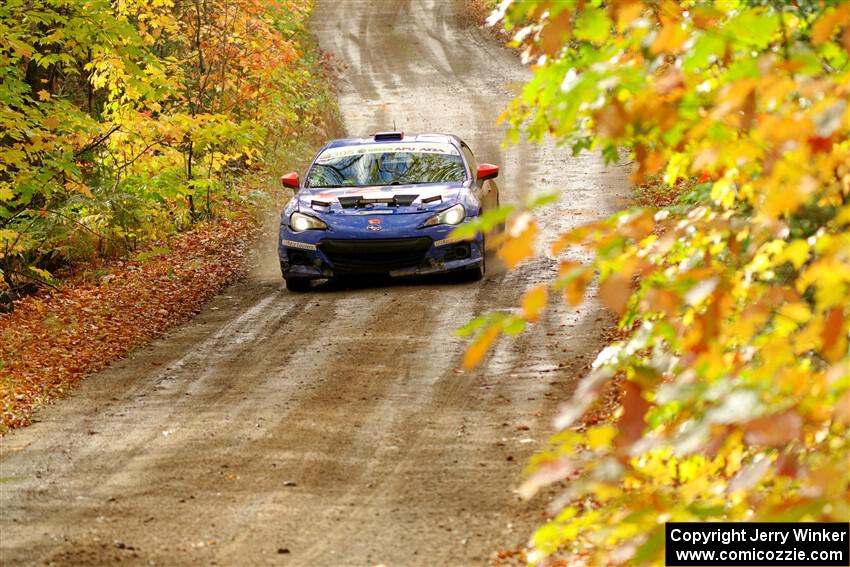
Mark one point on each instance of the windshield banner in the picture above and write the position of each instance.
(416, 147)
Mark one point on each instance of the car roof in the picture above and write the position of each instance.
(445, 138)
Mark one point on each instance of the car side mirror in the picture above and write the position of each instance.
(487, 171)
(290, 180)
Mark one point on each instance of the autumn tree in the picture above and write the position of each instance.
(126, 121)
(733, 300)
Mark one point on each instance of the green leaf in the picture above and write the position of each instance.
(651, 548)
(542, 199)
(593, 25)
(482, 223)
(707, 48)
(753, 27)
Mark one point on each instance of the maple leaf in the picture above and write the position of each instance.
(615, 291)
(533, 302)
(475, 352)
(519, 242)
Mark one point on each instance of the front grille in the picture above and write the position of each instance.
(375, 255)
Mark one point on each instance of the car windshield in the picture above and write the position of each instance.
(370, 165)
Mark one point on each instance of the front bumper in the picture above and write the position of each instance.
(319, 254)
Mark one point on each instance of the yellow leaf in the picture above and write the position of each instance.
(519, 241)
(534, 301)
(723, 192)
(475, 352)
(79, 187)
(600, 436)
(797, 252)
(797, 311)
(43, 94)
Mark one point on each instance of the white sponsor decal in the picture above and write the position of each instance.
(416, 147)
(446, 241)
(296, 244)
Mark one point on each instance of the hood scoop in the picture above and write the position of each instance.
(357, 201)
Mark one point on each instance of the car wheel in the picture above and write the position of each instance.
(297, 284)
(477, 273)
(501, 228)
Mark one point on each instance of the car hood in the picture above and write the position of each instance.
(399, 199)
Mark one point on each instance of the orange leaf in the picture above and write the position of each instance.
(661, 301)
(575, 236)
(567, 266)
(834, 343)
(627, 12)
(632, 422)
(611, 120)
(79, 187)
(670, 39)
(475, 352)
(824, 28)
(574, 290)
(773, 430)
(519, 242)
(638, 226)
(615, 292)
(534, 301)
(553, 35)
(43, 94)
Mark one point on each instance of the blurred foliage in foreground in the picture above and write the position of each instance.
(734, 298)
(125, 121)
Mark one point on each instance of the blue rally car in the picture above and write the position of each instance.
(385, 205)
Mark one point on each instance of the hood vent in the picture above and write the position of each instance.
(357, 201)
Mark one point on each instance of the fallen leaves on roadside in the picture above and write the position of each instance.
(53, 340)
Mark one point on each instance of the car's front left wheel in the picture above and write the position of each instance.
(297, 284)
(477, 273)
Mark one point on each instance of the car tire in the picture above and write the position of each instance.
(477, 273)
(297, 284)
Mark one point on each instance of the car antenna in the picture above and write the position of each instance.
(394, 128)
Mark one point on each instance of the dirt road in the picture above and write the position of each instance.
(331, 428)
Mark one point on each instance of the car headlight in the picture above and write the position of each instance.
(452, 215)
(300, 222)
